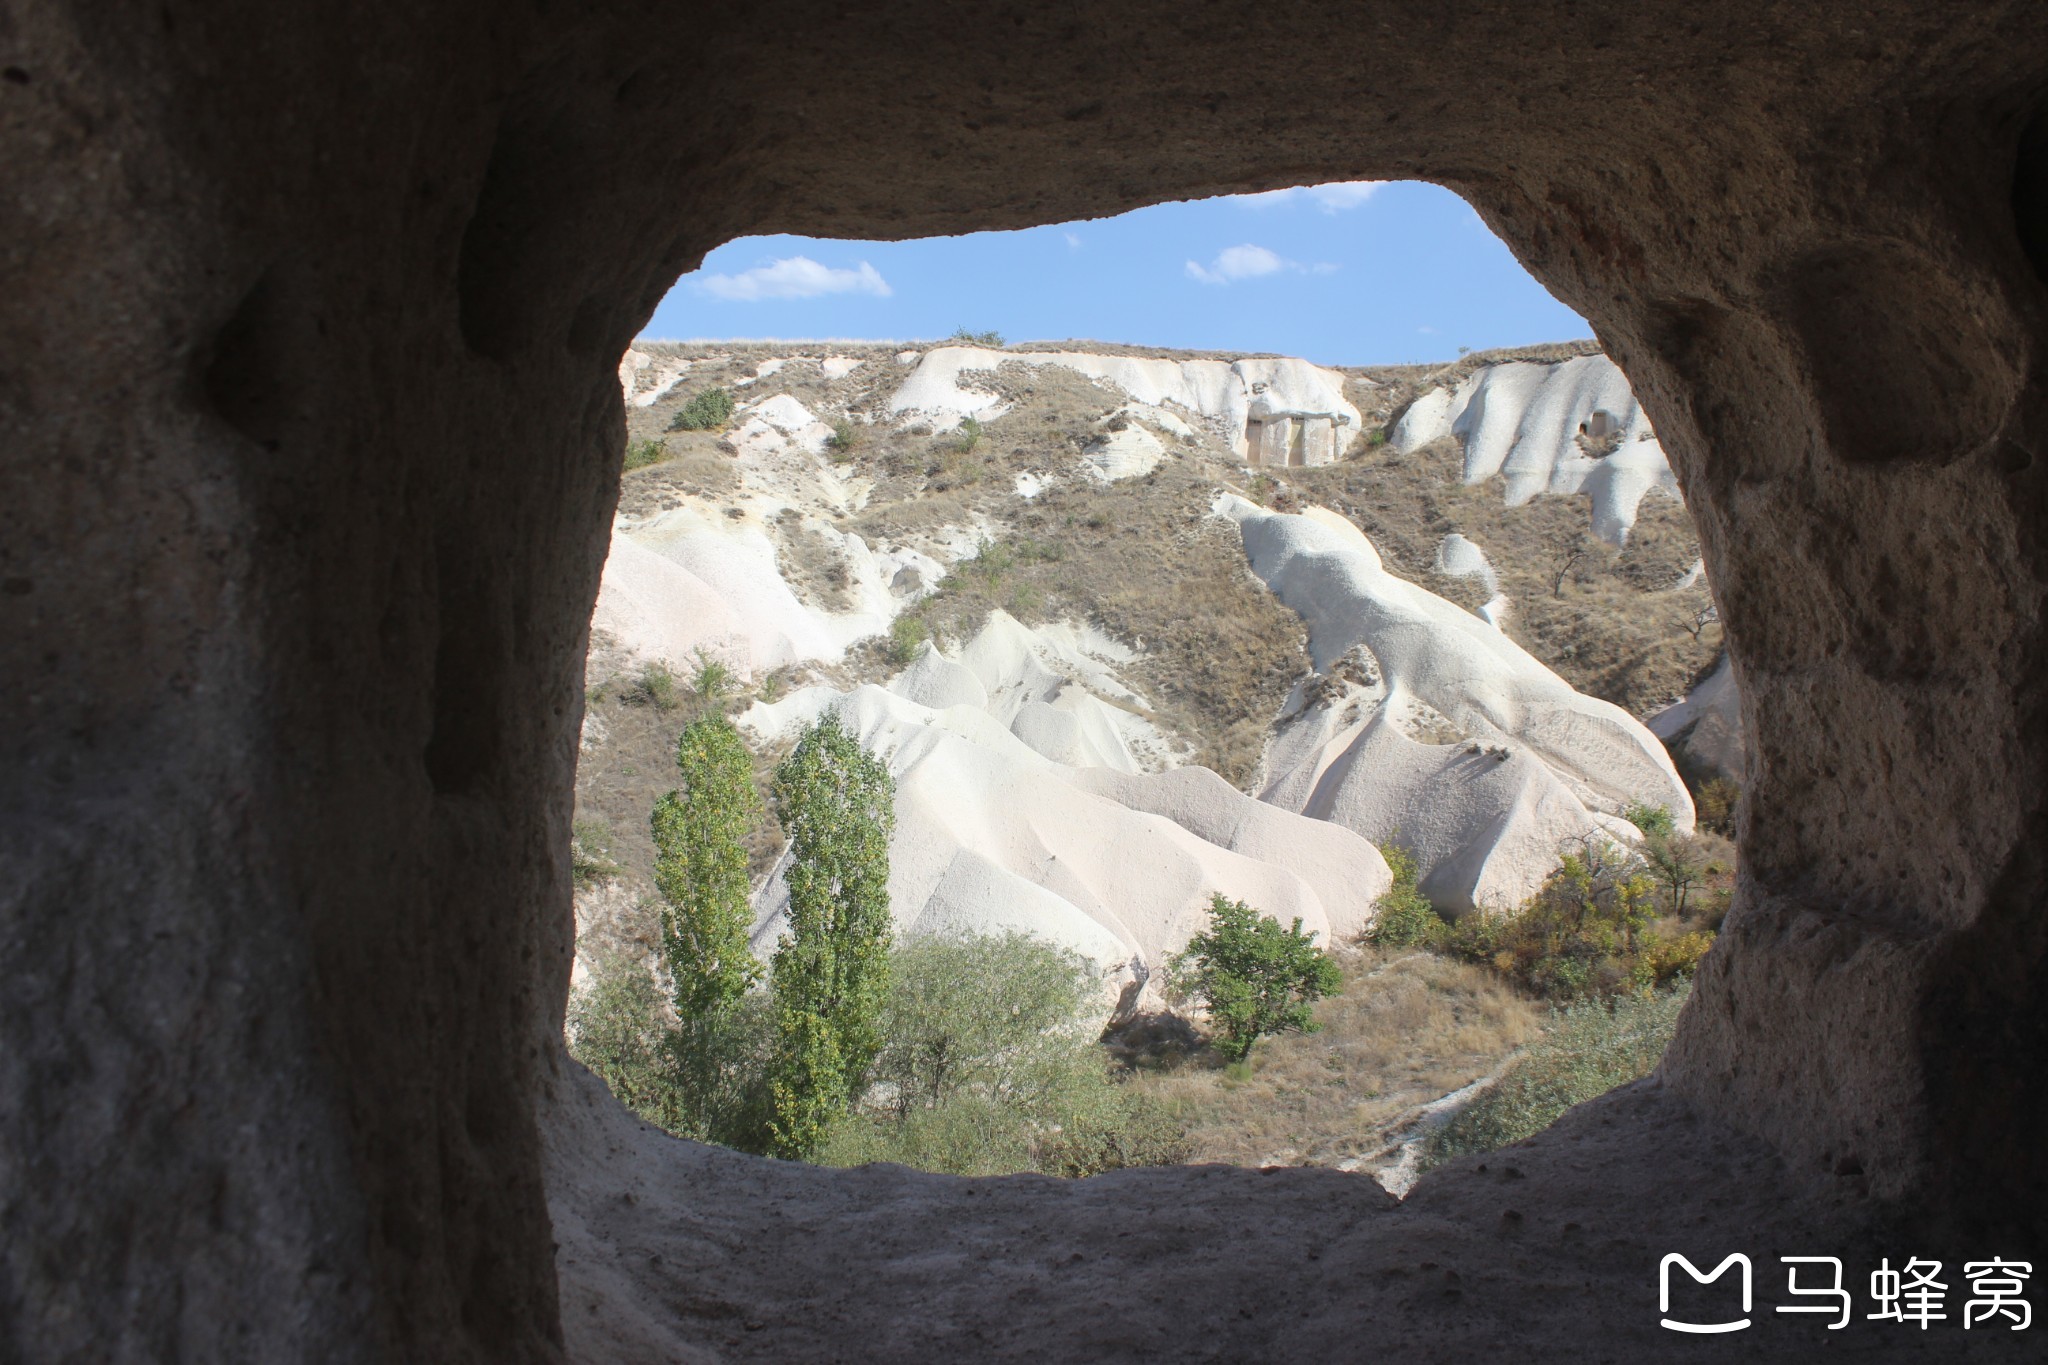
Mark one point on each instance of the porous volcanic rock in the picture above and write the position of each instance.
(310, 326)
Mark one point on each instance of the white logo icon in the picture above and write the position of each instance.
(1832, 1290)
(1664, 1292)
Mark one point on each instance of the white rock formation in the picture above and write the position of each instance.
(1707, 723)
(645, 379)
(1483, 762)
(691, 579)
(1222, 393)
(1020, 804)
(1124, 454)
(1458, 557)
(1525, 422)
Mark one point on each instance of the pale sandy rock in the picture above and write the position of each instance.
(1222, 393)
(1483, 761)
(1128, 453)
(994, 834)
(645, 379)
(693, 578)
(1524, 422)
(838, 366)
(1459, 557)
(1707, 723)
(766, 368)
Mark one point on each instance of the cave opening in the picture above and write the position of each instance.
(1086, 546)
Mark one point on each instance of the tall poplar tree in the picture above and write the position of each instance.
(700, 869)
(837, 803)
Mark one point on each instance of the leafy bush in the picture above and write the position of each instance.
(1254, 976)
(988, 1067)
(962, 337)
(968, 436)
(1651, 820)
(615, 1029)
(1590, 930)
(1591, 1047)
(847, 436)
(713, 678)
(707, 411)
(640, 454)
(907, 635)
(1715, 801)
(1376, 438)
(704, 1083)
(1406, 919)
(653, 686)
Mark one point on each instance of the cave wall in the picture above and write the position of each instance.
(309, 324)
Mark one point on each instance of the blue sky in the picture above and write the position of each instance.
(1355, 274)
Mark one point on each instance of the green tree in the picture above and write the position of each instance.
(1678, 865)
(837, 803)
(700, 868)
(1255, 977)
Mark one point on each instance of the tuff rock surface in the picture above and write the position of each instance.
(310, 326)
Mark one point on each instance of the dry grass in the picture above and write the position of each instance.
(1407, 1028)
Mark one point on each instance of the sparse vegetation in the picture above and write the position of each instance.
(709, 410)
(847, 437)
(1253, 976)
(590, 853)
(640, 454)
(989, 1067)
(991, 340)
(654, 685)
(713, 678)
(1405, 918)
(967, 436)
(1590, 1048)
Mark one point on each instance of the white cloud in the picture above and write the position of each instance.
(1245, 262)
(1339, 195)
(1073, 241)
(1249, 262)
(1333, 197)
(795, 277)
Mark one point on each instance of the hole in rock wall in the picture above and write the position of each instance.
(1138, 622)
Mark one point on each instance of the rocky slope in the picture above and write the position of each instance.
(1046, 584)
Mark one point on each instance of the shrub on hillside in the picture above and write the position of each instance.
(1253, 976)
(1591, 1047)
(1590, 930)
(989, 1066)
(962, 337)
(590, 853)
(640, 454)
(707, 411)
(1405, 918)
(1651, 820)
(907, 635)
(654, 685)
(1715, 802)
